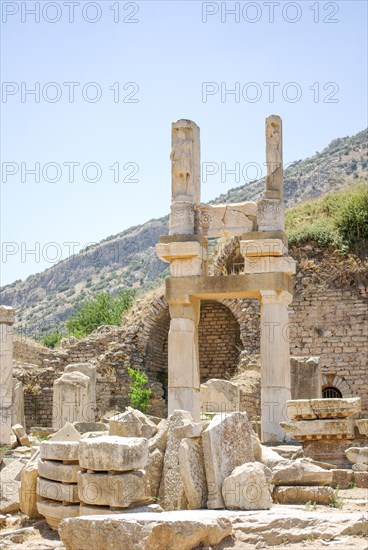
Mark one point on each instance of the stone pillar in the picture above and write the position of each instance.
(275, 363)
(71, 397)
(6, 372)
(185, 176)
(184, 378)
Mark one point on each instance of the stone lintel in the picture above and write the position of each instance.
(342, 428)
(167, 239)
(180, 290)
(270, 264)
(252, 235)
(169, 252)
(256, 248)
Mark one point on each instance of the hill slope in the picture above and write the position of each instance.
(43, 301)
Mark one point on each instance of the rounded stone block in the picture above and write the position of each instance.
(113, 453)
(54, 512)
(57, 471)
(54, 490)
(59, 450)
(119, 491)
(302, 494)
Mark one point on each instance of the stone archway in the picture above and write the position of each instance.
(219, 336)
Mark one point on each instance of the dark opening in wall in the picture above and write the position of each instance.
(329, 392)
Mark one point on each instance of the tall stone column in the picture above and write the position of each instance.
(275, 363)
(6, 372)
(184, 378)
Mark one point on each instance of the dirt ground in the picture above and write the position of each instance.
(18, 532)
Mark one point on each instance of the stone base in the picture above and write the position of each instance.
(273, 401)
(328, 450)
(55, 512)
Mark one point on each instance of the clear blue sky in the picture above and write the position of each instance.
(169, 52)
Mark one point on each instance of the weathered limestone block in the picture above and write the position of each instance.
(342, 478)
(59, 450)
(121, 490)
(72, 399)
(361, 479)
(171, 493)
(154, 469)
(132, 423)
(270, 264)
(270, 215)
(190, 430)
(28, 490)
(85, 427)
(55, 512)
(362, 424)
(54, 490)
(182, 530)
(256, 445)
(21, 435)
(113, 453)
(18, 416)
(271, 458)
(306, 377)
(218, 220)
(159, 440)
(310, 409)
(67, 433)
(359, 467)
(6, 369)
(51, 469)
(318, 429)
(10, 484)
(331, 451)
(219, 396)
(357, 455)
(182, 218)
(193, 474)
(263, 247)
(302, 495)
(185, 258)
(248, 488)
(226, 444)
(91, 510)
(300, 472)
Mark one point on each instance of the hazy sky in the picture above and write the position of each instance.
(109, 77)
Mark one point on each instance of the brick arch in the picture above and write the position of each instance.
(335, 381)
(220, 341)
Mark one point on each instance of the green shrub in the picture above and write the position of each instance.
(52, 340)
(99, 309)
(139, 394)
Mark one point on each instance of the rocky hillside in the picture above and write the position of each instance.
(43, 301)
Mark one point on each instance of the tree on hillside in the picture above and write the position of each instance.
(99, 309)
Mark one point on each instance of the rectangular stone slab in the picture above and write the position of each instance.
(308, 409)
(320, 429)
(121, 490)
(183, 529)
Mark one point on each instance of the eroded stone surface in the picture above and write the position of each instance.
(270, 458)
(121, 490)
(362, 424)
(113, 453)
(219, 396)
(182, 530)
(132, 423)
(193, 472)
(28, 490)
(55, 512)
(59, 450)
(310, 409)
(316, 429)
(226, 444)
(248, 488)
(300, 472)
(57, 471)
(357, 455)
(171, 491)
(55, 490)
(159, 440)
(302, 494)
(154, 469)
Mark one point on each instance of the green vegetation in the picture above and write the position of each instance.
(52, 340)
(335, 500)
(139, 394)
(338, 220)
(99, 309)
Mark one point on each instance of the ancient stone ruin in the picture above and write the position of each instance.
(251, 454)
